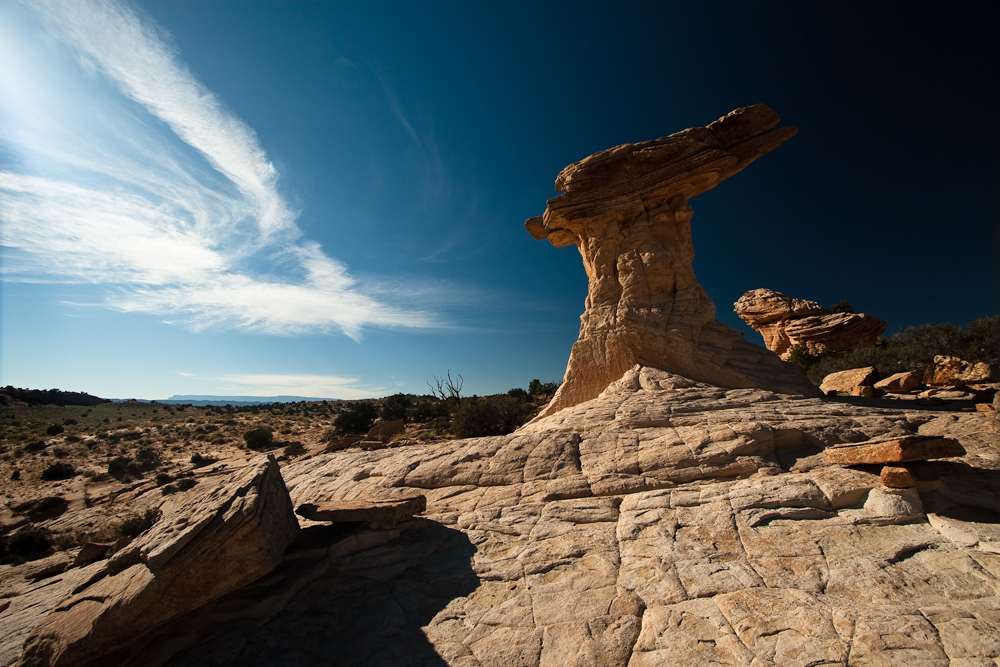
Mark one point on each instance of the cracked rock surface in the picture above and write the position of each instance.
(666, 522)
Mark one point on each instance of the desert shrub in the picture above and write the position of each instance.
(294, 449)
(163, 478)
(492, 415)
(518, 393)
(198, 460)
(60, 452)
(35, 446)
(135, 525)
(537, 388)
(356, 419)
(15, 476)
(27, 541)
(58, 471)
(915, 349)
(119, 466)
(69, 422)
(394, 407)
(259, 438)
(426, 411)
(842, 306)
(984, 340)
(146, 455)
(185, 483)
(54, 429)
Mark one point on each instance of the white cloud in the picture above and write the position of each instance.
(310, 386)
(199, 237)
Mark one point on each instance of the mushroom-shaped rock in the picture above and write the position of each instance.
(626, 210)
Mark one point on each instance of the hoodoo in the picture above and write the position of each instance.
(626, 209)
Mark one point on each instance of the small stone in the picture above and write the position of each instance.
(864, 391)
(90, 552)
(912, 448)
(897, 477)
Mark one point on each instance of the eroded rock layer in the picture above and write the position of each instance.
(626, 210)
(666, 522)
(784, 322)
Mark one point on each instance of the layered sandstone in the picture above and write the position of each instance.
(784, 322)
(626, 209)
(205, 546)
(665, 522)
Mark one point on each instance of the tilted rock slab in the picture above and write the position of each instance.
(206, 545)
(377, 513)
(665, 522)
(626, 209)
(895, 450)
(784, 322)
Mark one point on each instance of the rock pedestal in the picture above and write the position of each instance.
(626, 210)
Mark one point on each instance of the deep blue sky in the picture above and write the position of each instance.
(412, 140)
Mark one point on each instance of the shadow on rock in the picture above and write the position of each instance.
(364, 609)
(959, 491)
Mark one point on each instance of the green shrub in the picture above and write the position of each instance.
(914, 349)
(259, 438)
(294, 449)
(426, 411)
(28, 541)
(394, 407)
(356, 419)
(536, 388)
(119, 466)
(146, 454)
(492, 415)
(134, 526)
(58, 471)
(518, 393)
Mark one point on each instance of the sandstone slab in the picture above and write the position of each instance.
(895, 450)
(204, 546)
(378, 513)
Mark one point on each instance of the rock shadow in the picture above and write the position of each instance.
(366, 609)
(959, 491)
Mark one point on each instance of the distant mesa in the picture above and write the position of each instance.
(626, 209)
(785, 322)
(202, 400)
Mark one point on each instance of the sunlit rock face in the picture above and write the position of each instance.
(784, 322)
(626, 209)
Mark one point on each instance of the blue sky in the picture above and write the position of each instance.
(327, 199)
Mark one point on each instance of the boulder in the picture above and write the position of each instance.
(383, 431)
(784, 322)
(208, 544)
(626, 209)
(952, 371)
(900, 383)
(847, 381)
(911, 448)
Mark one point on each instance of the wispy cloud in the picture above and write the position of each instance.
(195, 231)
(310, 386)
